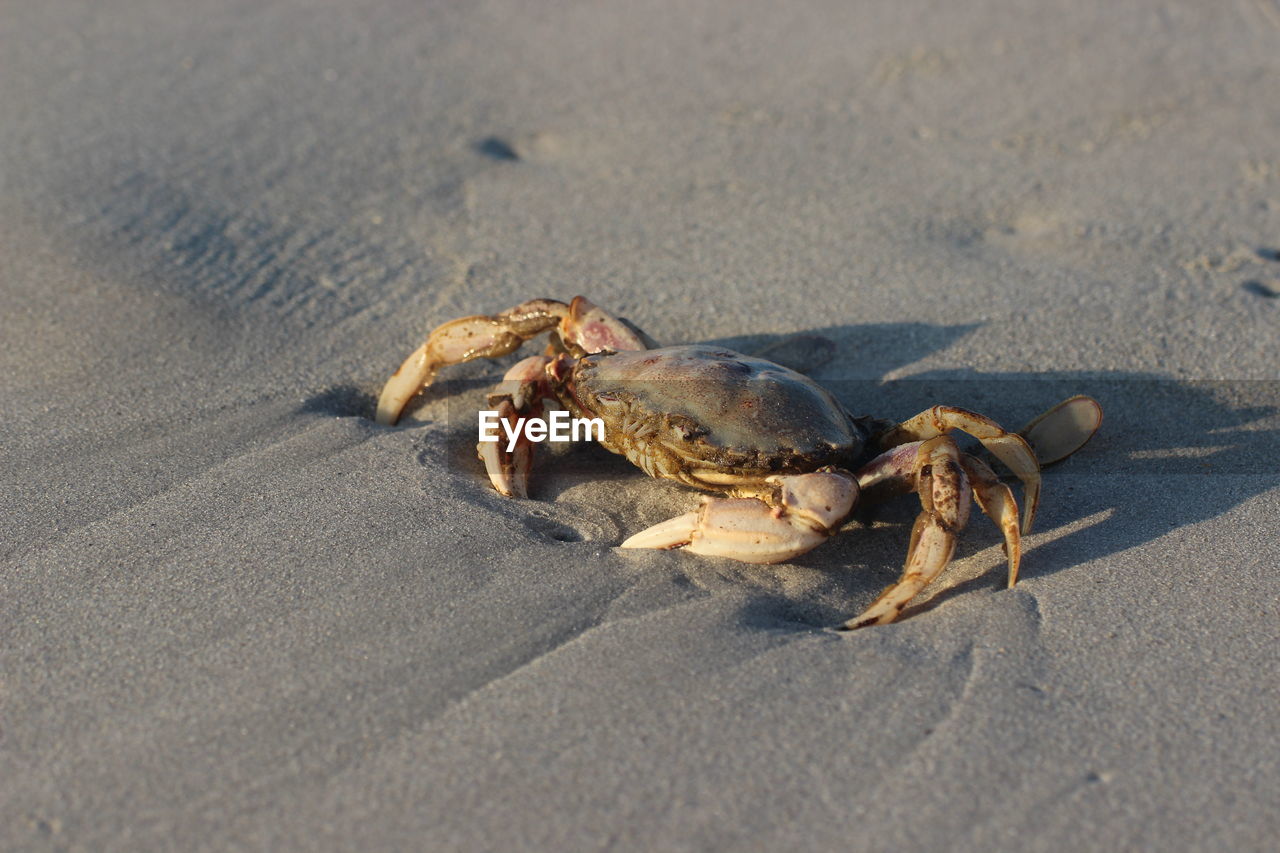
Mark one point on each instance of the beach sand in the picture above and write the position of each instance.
(236, 613)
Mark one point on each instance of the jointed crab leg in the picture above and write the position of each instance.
(996, 500)
(582, 327)
(1010, 448)
(519, 396)
(462, 340)
(801, 514)
(1063, 429)
(944, 496)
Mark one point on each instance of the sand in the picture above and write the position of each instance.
(235, 613)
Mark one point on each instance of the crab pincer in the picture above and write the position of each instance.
(800, 514)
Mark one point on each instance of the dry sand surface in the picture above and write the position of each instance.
(237, 614)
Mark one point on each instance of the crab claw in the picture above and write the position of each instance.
(672, 533)
(805, 510)
(744, 529)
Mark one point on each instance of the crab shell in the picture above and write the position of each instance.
(712, 418)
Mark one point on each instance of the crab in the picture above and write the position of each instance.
(785, 462)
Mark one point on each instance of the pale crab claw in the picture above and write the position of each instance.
(803, 513)
(672, 533)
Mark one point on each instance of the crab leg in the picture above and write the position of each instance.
(519, 396)
(893, 466)
(1010, 448)
(581, 326)
(992, 496)
(462, 340)
(944, 496)
(802, 512)
(1063, 429)
(996, 500)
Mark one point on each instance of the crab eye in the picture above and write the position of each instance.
(686, 428)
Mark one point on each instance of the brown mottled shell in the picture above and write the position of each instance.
(712, 404)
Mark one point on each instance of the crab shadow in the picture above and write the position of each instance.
(1143, 475)
(1170, 453)
(341, 401)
